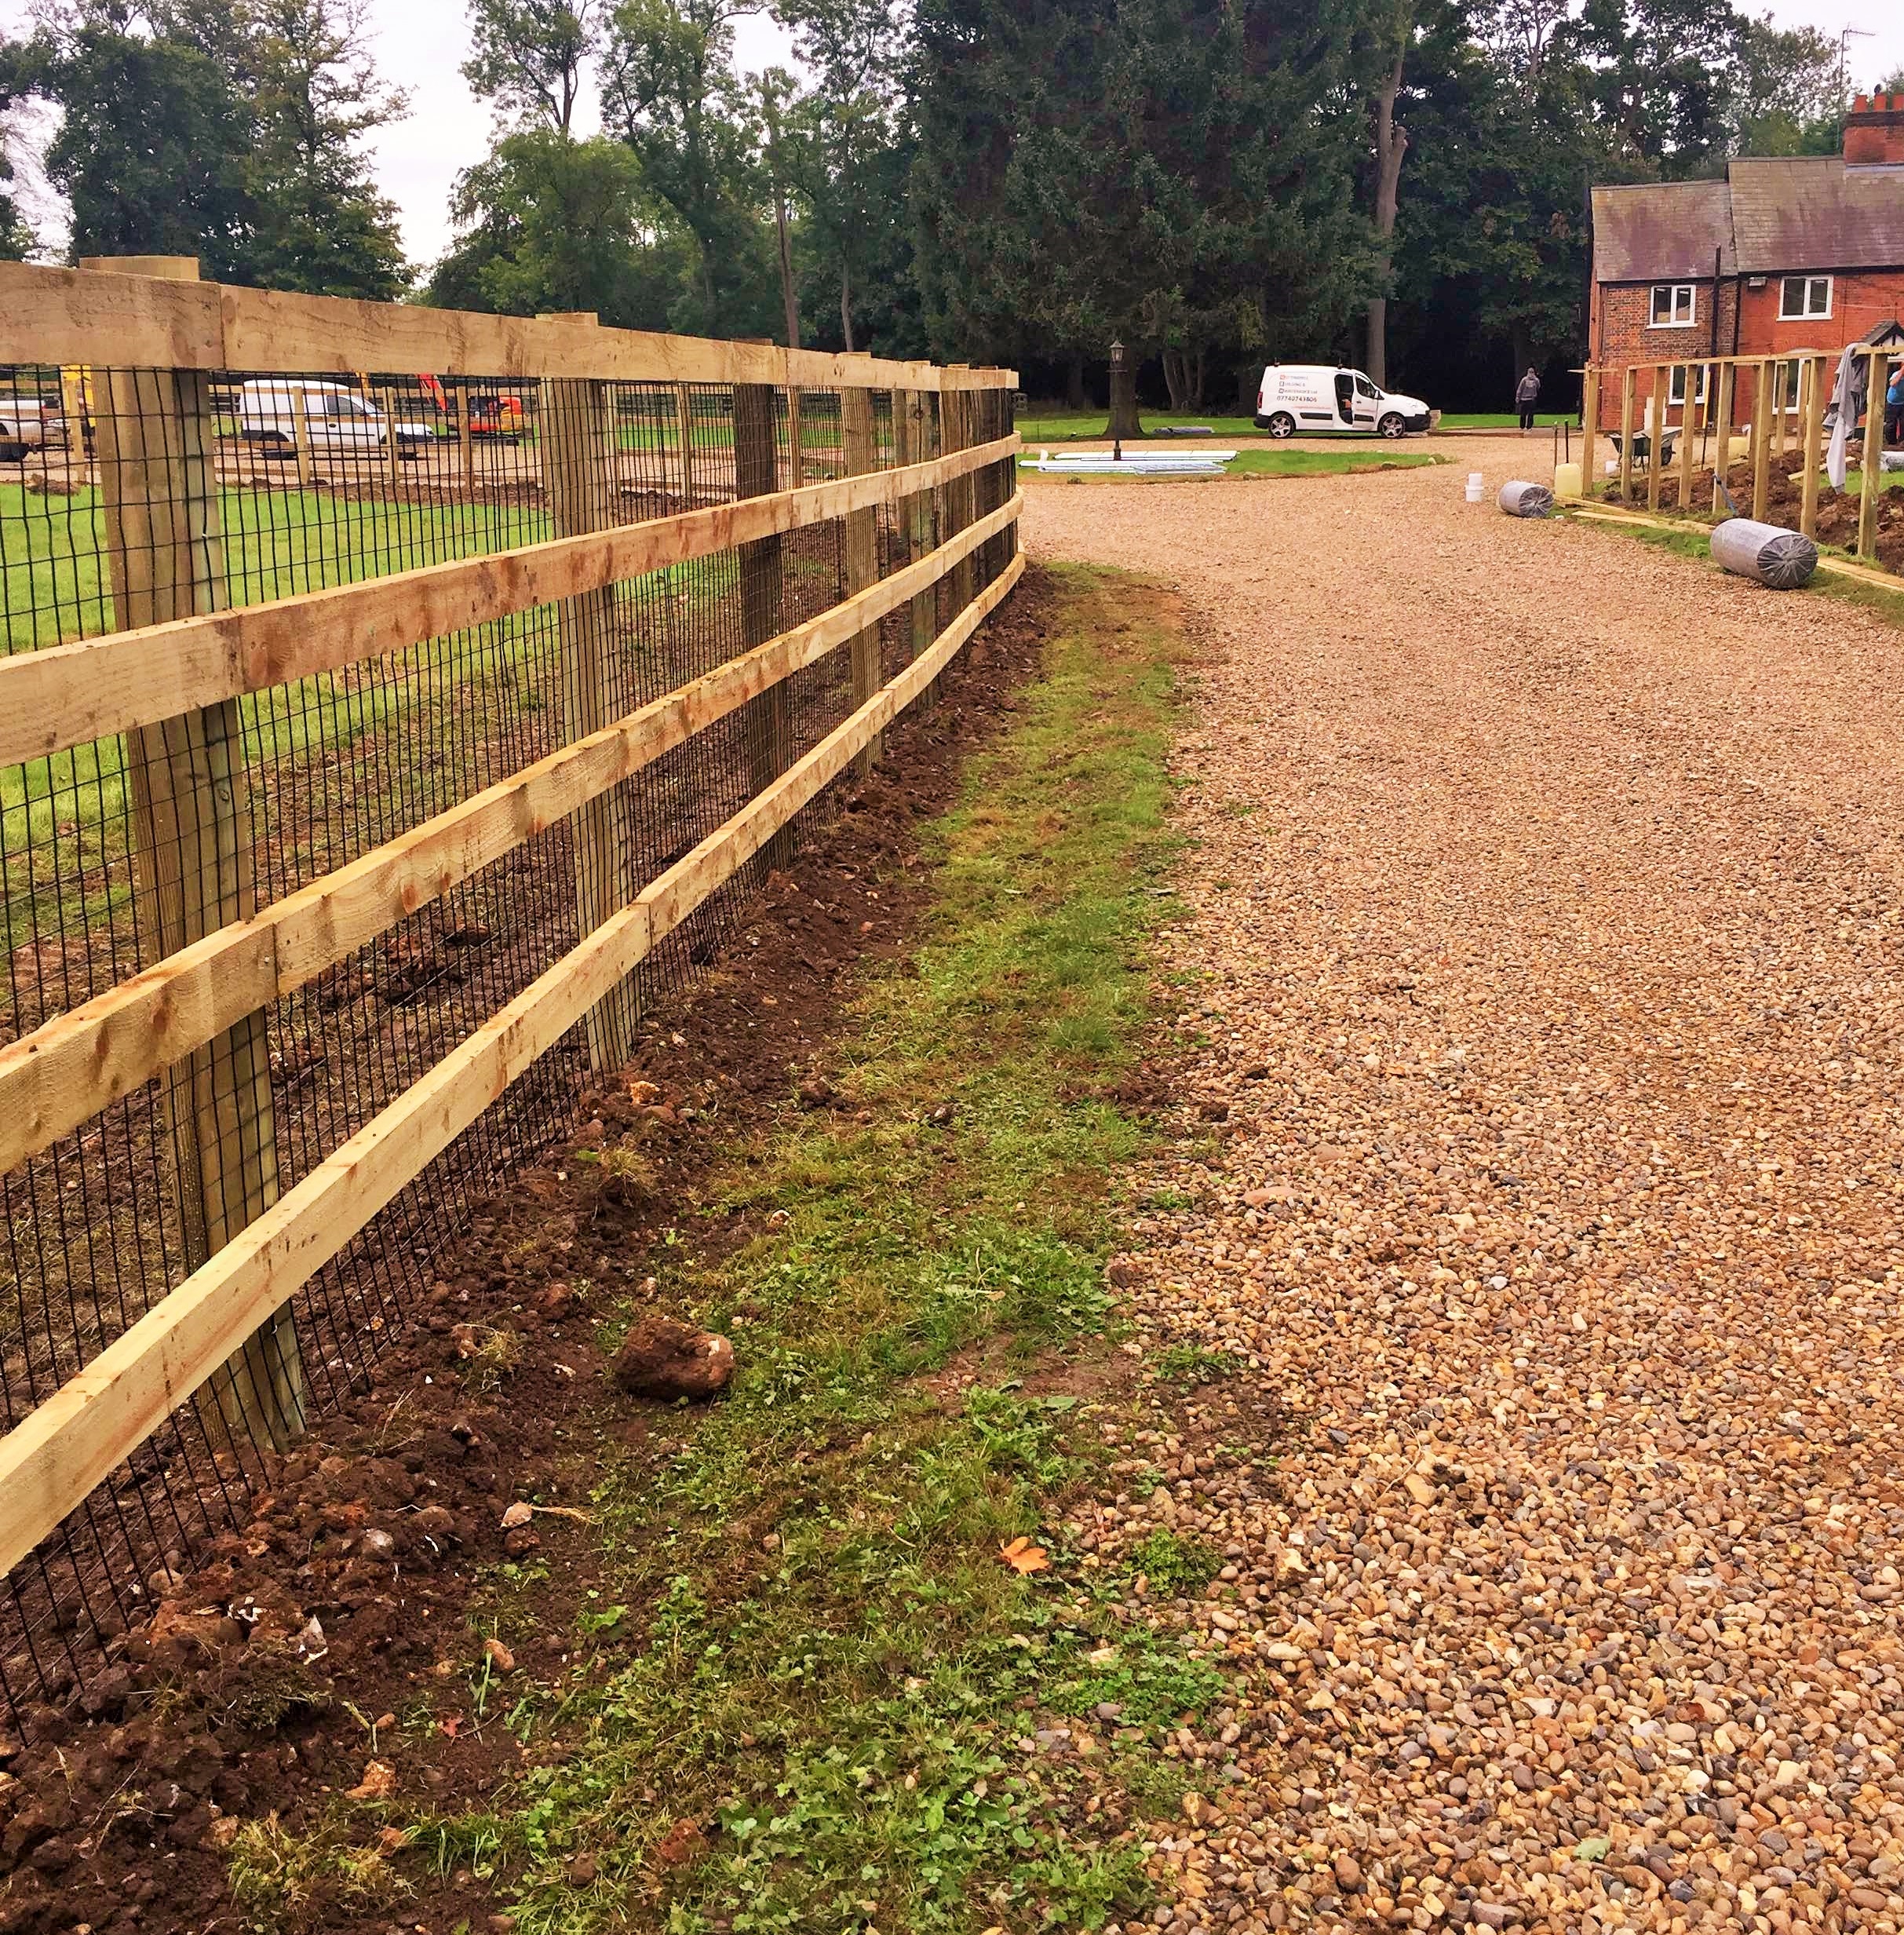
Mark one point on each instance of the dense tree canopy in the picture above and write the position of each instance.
(1214, 181)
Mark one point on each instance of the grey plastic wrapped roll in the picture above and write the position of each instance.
(1526, 500)
(1782, 559)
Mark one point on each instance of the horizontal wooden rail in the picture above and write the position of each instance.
(52, 1460)
(70, 695)
(70, 1067)
(66, 316)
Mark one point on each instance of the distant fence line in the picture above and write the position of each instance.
(394, 701)
(1789, 397)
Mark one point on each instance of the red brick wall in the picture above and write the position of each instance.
(1621, 331)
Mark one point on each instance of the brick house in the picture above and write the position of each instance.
(1786, 253)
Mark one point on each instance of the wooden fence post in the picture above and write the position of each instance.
(574, 437)
(1761, 441)
(301, 429)
(1589, 430)
(955, 434)
(1877, 363)
(1656, 430)
(391, 453)
(861, 547)
(466, 438)
(1630, 379)
(768, 722)
(912, 436)
(1722, 442)
(192, 837)
(1817, 369)
(684, 420)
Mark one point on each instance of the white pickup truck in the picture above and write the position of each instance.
(28, 423)
(1303, 399)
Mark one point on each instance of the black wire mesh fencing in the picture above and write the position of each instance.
(132, 496)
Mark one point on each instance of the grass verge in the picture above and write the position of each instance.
(800, 1695)
(1694, 541)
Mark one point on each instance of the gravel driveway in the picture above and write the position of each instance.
(1547, 917)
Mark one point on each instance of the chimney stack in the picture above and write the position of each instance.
(1874, 132)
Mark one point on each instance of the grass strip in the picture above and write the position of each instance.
(798, 1700)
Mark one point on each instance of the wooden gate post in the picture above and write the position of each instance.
(191, 838)
(1811, 437)
(1876, 365)
(575, 442)
(1688, 416)
(767, 721)
(861, 547)
(1656, 431)
(1630, 379)
(1722, 442)
(1589, 430)
(1762, 441)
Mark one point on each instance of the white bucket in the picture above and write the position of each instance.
(1477, 489)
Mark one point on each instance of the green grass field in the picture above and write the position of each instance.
(52, 588)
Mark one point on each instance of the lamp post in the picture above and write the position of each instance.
(1117, 400)
(1123, 399)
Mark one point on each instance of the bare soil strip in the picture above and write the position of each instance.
(1539, 1153)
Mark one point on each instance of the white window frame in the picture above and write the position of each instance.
(1804, 313)
(1676, 385)
(1673, 291)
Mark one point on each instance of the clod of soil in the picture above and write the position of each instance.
(664, 1358)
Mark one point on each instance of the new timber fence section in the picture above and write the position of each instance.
(1769, 467)
(393, 703)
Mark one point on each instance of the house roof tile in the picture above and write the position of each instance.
(1661, 231)
(1813, 212)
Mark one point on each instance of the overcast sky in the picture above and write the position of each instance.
(421, 44)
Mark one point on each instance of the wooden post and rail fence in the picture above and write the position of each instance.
(190, 1023)
(1789, 396)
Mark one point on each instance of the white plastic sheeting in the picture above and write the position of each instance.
(1148, 463)
(1782, 559)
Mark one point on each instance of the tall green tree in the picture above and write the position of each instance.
(1179, 173)
(529, 57)
(318, 222)
(154, 144)
(16, 66)
(549, 222)
(670, 91)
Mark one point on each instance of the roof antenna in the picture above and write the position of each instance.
(1844, 45)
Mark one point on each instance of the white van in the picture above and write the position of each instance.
(1303, 398)
(336, 419)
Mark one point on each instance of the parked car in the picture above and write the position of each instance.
(1311, 397)
(29, 423)
(336, 419)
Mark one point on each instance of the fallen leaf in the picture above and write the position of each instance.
(498, 1655)
(448, 1724)
(379, 1783)
(519, 1513)
(1022, 1556)
(680, 1843)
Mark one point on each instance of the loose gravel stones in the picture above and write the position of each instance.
(1538, 1160)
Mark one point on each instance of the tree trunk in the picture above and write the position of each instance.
(846, 308)
(789, 300)
(1391, 145)
(1074, 383)
(1174, 381)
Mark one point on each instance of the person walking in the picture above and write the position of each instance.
(1893, 407)
(1526, 394)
